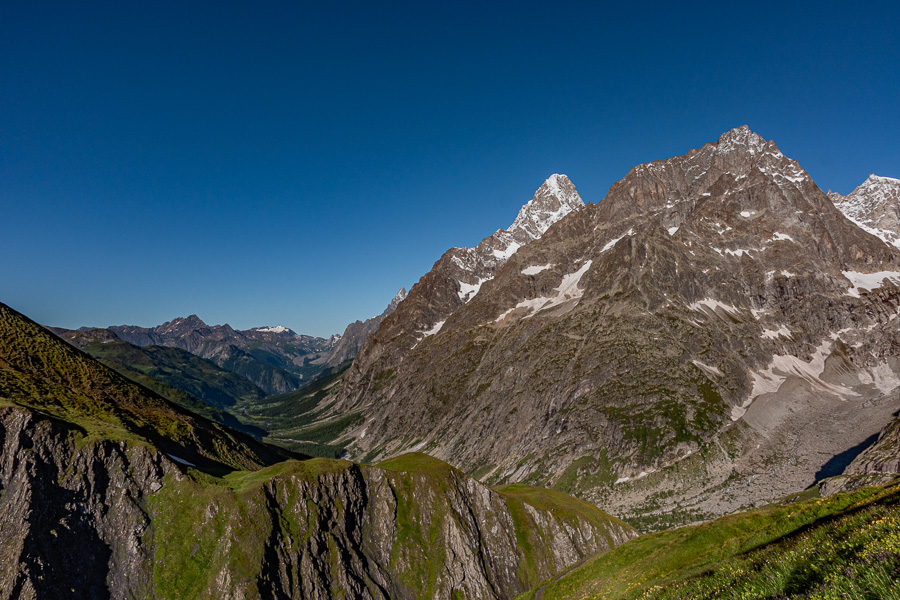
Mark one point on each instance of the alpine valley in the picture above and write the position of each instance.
(689, 389)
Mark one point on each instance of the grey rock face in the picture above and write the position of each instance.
(713, 316)
(106, 519)
(73, 522)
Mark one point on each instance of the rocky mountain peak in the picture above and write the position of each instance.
(875, 206)
(741, 139)
(732, 170)
(183, 324)
(556, 198)
(398, 298)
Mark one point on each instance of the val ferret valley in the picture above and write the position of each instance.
(689, 389)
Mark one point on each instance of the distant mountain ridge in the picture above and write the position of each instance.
(172, 366)
(276, 359)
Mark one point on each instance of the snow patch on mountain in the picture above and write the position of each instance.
(567, 290)
(612, 243)
(535, 270)
(435, 329)
(773, 334)
(507, 252)
(869, 281)
(467, 291)
(711, 305)
(782, 366)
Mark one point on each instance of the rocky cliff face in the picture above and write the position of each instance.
(99, 518)
(276, 359)
(875, 206)
(714, 320)
(74, 519)
(350, 343)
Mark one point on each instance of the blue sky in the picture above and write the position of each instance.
(291, 163)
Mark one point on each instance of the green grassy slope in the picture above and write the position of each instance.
(843, 546)
(40, 372)
(180, 377)
(180, 369)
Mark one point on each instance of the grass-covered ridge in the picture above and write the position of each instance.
(178, 368)
(411, 516)
(845, 546)
(45, 375)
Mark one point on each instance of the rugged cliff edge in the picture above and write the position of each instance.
(82, 517)
(100, 498)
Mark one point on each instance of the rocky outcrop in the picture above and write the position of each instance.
(715, 319)
(74, 519)
(350, 343)
(99, 518)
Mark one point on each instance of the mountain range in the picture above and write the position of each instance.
(708, 337)
(276, 359)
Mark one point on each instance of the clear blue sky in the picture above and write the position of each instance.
(296, 163)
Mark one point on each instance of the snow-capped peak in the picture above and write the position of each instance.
(556, 198)
(398, 298)
(874, 179)
(743, 138)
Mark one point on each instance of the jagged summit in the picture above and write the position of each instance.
(189, 321)
(739, 162)
(878, 178)
(398, 298)
(556, 198)
(741, 138)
